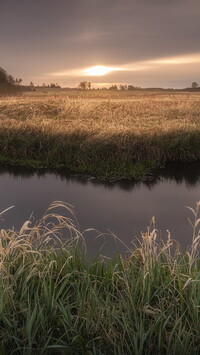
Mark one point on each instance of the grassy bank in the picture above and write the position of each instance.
(53, 301)
(104, 134)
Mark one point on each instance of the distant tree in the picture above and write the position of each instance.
(113, 87)
(11, 80)
(89, 85)
(54, 86)
(131, 87)
(83, 85)
(31, 84)
(7, 78)
(18, 81)
(3, 76)
(123, 87)
(194, 85)
(8, 85)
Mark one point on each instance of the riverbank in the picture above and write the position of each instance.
(106, 135)
(55, 301)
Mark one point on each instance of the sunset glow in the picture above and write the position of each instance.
(113, 41)
(182, 59)
(99, 70)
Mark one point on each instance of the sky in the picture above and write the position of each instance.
(146, 43)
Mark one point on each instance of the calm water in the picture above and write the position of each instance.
(124, 208)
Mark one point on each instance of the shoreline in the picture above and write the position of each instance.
(139, 171)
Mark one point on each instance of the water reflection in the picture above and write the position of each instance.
(182, 173)
(188, 173)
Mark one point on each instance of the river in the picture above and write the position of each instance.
(124, 208)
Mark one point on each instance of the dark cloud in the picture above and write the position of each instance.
(41, 36)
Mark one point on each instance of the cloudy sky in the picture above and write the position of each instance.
(148, 43)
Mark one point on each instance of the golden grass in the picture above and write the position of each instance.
(119, 120)
(140, 114)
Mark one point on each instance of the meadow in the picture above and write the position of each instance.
(53, 301)
(106, 134)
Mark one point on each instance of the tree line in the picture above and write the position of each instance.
(6, 78)
(86, 85)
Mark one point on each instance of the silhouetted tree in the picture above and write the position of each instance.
(54, 86)
(131, 87)
(113, 87)
(18, 81)
(123, 87)
(11, 80)
(7, 78)
(194, 85)
(3, 76)
(8, 85)
(83, 85)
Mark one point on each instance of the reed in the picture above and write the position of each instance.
(54, 301)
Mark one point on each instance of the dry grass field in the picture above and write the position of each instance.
(103, 133)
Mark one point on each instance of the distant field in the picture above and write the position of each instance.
(102, 133)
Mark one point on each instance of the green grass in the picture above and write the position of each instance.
(101, 133)
(53, 301)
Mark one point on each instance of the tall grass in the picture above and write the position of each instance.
(113, 135)
(53, 301)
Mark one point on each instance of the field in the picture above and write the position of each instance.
(54, 302)
(107, 134)
(53, 299)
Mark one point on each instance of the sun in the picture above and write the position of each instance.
(99, 70)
